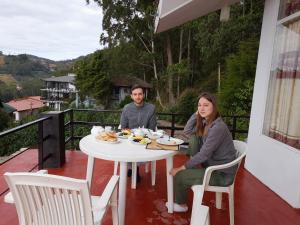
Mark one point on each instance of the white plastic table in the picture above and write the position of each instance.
(125, 152)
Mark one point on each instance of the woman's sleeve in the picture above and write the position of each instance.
(214, 139)
(190, 127)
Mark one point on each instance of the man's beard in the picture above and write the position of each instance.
(138, 102)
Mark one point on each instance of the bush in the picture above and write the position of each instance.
(187, 104)
(125, 101)
(4, 120)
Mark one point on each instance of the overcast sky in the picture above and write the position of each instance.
(53, 29)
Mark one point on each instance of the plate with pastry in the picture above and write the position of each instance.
(108, 137)
(124, 134)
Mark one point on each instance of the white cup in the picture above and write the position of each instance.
(108, 128)
(96, 130)
(139, 132)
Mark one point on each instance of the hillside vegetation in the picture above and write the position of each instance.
(20, 75)
(180, 63)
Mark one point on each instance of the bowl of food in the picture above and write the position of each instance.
(139, 140)
(125, 133)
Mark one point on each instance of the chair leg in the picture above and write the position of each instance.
(231, 204)
(133, 176)
(219, 200)
(153, 172)
(114, 207)
(147, 167)
(116, 167)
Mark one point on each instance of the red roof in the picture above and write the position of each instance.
(27, 103)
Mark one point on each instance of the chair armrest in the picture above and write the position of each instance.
(107, 193)
(210, 169)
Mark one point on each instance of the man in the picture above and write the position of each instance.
(138, 114)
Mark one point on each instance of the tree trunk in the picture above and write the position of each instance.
(189, 55)
(179, 61)
(170, 77)
(158, 98)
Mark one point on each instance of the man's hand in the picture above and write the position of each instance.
(174, 171)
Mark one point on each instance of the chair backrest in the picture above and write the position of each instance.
(50, 199)
(241, 148)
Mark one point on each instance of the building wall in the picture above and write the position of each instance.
(22, 114)
(275, 164)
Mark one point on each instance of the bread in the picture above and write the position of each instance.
(107, 136)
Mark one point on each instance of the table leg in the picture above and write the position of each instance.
(89, 170)
(122, 192)
(169, 162)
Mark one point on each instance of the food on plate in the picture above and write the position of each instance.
(125, 133)
(141, 140)
(107, 136)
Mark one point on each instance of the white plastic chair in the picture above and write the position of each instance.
(199, 189)
(43, 199)
(134, 171)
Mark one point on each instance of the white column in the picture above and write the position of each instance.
(122, 192)
(169, 162)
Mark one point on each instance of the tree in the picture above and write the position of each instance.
(4, 119)
(237, 89)
(92, 78)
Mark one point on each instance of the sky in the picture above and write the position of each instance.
(52, 29)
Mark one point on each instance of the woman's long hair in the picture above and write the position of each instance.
(202, 124)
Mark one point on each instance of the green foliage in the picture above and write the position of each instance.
(4, 120)
(92, 77)
(20, 139)
(23, 65)
(125, 101)
(186, 105)
(237, 88)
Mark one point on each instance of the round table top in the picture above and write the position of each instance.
(124, 151)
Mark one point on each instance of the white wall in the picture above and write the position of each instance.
(275, 164)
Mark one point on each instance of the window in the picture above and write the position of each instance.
(282, 117)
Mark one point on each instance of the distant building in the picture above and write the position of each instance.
(26, 106)
(122, 86)
(58, 89)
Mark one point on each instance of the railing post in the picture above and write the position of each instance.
(53, 146)
(173, 125)
(233, 127)
(72, 128)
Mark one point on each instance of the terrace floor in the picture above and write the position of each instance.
(254, 202)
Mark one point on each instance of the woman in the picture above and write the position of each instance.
(216, 148)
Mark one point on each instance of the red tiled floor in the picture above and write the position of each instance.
(254, 202)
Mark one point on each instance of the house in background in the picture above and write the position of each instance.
(122, 85)
(273, 154)
(26, 106)
(57, 90)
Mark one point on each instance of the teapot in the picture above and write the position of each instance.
(96, 130)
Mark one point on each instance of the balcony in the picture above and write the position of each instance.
(254, 202)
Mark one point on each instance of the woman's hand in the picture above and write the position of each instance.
(174, 171)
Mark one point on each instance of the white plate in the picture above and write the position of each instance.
(172, 141)
(138, 143)
(154, 135)
(108, 142)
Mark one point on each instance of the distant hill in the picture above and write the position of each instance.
(20, 75)
(7, 79)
